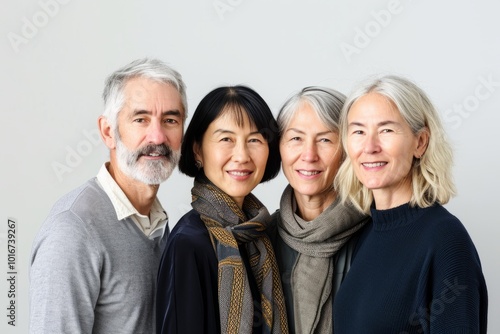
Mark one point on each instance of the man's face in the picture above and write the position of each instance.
(149, 130)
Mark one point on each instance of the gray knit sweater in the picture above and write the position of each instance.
(91, 273)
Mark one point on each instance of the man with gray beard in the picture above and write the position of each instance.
(95, 259)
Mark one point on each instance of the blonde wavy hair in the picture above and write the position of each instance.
(431, 176)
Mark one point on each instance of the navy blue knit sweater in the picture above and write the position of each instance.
(414, 271)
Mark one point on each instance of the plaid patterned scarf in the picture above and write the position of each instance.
(228, 226)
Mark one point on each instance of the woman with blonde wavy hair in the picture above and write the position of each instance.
(415, 269)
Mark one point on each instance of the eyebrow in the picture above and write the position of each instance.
(302, 132)
(378, 124)
(164, 113)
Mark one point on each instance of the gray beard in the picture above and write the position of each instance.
(147, 171)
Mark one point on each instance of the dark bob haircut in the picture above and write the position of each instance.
(243, 101)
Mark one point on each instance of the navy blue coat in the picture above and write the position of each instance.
(187, 296)
(187, 300)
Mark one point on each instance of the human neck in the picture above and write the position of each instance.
(310, 207)
(390, 199)
(141, 195)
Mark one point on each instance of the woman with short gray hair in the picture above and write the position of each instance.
(313, 232)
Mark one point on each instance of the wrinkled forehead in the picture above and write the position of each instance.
(144, 91)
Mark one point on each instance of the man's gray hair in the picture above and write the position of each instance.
(153, 69)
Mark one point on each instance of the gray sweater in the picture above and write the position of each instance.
(91, 273)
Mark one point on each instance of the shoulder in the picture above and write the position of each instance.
(87, 200)
(188, 246)
(447, 238)
(189, 234)
(189, 224)
(70, 218)
(441, 226)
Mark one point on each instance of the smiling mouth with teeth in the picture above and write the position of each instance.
(239, 173)
(373, 164)
(308, 173)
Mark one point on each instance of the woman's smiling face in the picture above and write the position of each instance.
(382, 146)
(310, 153)
(234, 157)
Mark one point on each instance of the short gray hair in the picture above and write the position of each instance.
(153, 69)
(326, 102)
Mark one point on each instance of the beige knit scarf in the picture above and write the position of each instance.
(228, 226)
(317, 242)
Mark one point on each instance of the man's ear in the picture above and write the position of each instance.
(106, 132)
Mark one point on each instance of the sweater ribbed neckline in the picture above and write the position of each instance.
(385, 220)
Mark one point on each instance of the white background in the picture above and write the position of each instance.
(55, 56)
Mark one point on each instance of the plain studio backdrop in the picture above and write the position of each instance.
(55, 55)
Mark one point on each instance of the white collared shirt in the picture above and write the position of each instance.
(152, 226)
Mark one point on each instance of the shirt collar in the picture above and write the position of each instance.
(121, 203)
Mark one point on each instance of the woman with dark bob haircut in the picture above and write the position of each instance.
(247, 103)
(218, 273)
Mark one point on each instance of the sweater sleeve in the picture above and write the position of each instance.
(459, 296)
(187, 287)
(64, 277)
